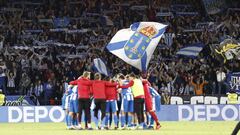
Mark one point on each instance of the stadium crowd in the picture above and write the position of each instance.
(48, 43)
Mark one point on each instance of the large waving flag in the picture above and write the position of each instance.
(100, 66)
(227, 50)
(136, 44)
(191, 50)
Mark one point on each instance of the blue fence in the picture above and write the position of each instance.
(167, 113)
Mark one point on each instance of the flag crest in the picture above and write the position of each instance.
(136, 44)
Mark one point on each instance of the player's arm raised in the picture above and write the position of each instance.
(75, 82)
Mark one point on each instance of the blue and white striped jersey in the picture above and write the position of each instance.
(74, 93)
(127, 92)
(153, 92)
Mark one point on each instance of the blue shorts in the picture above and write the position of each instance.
(127, 105)
(73, 106)
(111, 105)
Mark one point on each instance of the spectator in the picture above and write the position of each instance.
(30, 90)
(221, 76)
(58, 93)
(198, 87)
(24, 83)
(170, 87)
(48, 91)
(11, 76)
(189, 89)
(38, 91)
(181, 89)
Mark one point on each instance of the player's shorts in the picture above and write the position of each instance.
(127, 103)
(73, 106)
(111, 105)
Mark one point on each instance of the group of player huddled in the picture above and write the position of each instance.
(129, 100)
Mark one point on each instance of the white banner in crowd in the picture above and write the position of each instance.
(191, 50)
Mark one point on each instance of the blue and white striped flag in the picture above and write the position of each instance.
(100, 66)
(136, 44)
(191, 50)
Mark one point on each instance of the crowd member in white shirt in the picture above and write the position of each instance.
(221, 76)
(169, 85)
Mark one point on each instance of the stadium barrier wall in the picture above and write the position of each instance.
(15, 114)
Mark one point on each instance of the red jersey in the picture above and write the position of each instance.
(83, 87)
(99, 88)
(111, 91)
(148, 97)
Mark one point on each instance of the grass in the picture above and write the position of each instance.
(168, 128)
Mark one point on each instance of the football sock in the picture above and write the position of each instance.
(70, 120)
(129, 120)
(67, 120)
(96, 121)
(122, 121)
(107, 119)
(115, 118)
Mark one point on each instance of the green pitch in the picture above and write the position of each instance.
(168, 128)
